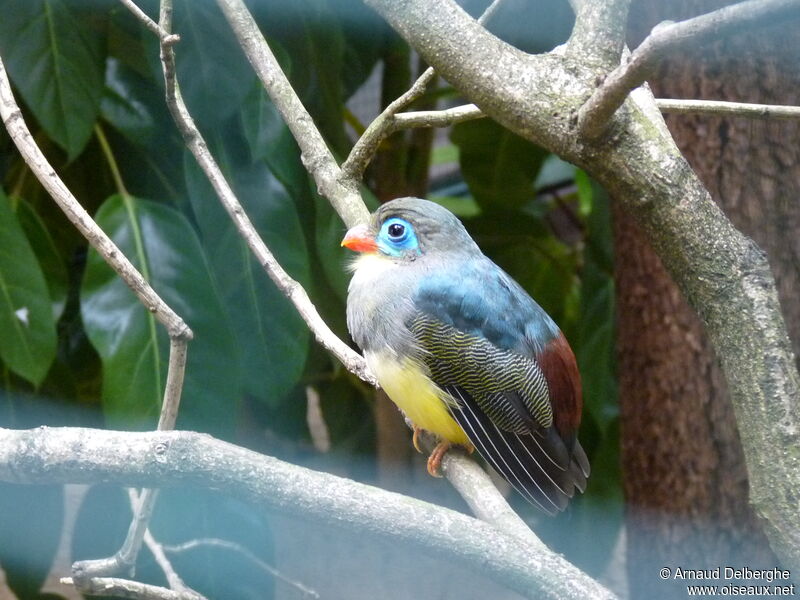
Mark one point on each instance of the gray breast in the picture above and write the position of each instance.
(379, 304)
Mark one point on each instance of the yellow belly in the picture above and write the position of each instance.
(409, 387)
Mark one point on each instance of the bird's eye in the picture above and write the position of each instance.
(396, 230)
(397, 238)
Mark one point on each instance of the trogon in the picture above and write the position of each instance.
(464, 351)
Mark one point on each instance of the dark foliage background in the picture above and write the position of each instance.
(76, 348)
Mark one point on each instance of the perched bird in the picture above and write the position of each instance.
(464, 351)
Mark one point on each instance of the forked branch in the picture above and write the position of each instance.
(667, 37)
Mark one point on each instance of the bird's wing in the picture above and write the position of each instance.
(501, 396)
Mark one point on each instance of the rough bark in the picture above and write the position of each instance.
(685, 474)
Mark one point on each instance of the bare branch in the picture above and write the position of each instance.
(179, 332)
(728, 109)
(468, 112)
(174, 385)
(381, 128)
(126, 588)
(179, 458)
(86, 572)
(667, 37)
(437, 118)
(174, 580)
(484, 499)
(340, 190)
(164, 36)
(599, 31)
(44, 172)
(385, 123)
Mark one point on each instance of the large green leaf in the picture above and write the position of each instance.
(366, 36)
(54, 60)
(27, 326)
(269, 139)
(499, 166)
(273, 338)
(127, 103)
(133, 346)
(311, 33)
(333, 258)
(47, 253)
(213, 73)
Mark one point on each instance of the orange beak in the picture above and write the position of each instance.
(359, 239)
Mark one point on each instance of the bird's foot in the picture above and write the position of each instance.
(415, 438)
(435, 459)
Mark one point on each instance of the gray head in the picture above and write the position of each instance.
(409, 228)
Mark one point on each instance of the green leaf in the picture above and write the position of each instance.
(27, 326)
(133, 347)
(365, 38)
(499, 166)
(525, 248)
(273, 338)
(333, 258)
(213, 73)
(269, 139)
(48, 255)
(123, 104)
(54, 61)
(312, 35)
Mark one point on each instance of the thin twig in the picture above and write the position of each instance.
(381, 128)
(173, 579)
(728, 109)
(437, 118)
(239, 549)
(174, 386)
(595, 114)
(164, 36)
(315, 420)
(468, 112)
(341, 192)
(384, 124)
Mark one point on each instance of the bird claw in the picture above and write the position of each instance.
(435, 459)
(415, 439)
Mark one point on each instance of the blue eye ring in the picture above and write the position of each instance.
(397, 230)
(397, 238)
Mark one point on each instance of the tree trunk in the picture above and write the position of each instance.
(684, 474)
